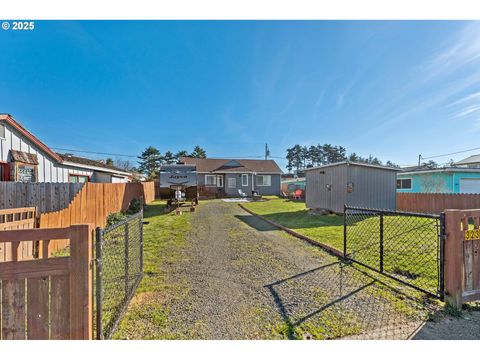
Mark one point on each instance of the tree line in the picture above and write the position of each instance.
(151, 159)
(301, 157)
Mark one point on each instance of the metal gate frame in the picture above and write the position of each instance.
(440, 247)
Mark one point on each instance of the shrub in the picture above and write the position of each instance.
(134, 207)
(114, 218)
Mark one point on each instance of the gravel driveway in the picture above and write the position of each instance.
(239, 278)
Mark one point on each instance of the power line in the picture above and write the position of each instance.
(94, 152)
(453, 153)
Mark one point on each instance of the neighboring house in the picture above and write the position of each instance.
(470, 162)
(450, 180)
(25, 158)
(224, 177)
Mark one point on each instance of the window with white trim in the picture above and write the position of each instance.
(220, 180)
(210, 180)
(404, 183)
(264, 180)
(232, 182)
(244, 179)
(2, 131)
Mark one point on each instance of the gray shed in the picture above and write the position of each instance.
(356, 184)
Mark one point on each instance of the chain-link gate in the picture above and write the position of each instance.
(407, 247)
(119, 255)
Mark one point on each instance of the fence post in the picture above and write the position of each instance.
(141, 242)
(454, 277)
(81, 294)
(99, 282)
(441, 239)
(381, 242)
(126, 260)
(344, 231)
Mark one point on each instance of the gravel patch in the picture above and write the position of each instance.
(241, 278)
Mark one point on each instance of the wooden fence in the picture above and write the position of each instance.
(44, 196)
(48, 298)
(94, 203)
(462, 256)
(436, 203)
(10, 219)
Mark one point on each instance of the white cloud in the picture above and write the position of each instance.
(469, 110)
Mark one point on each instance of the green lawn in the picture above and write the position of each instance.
(164, 239)
(410, 243)
(327, 229)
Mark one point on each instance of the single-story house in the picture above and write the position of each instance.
(450, 180)
(24, 158)
(225, 177)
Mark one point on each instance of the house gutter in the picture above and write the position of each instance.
(73, 164)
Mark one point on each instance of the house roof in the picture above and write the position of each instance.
(24, 157)
(353, 163)
(69, 159)
(211, 165)
(469, 160)
(444, 169)
(17, 126)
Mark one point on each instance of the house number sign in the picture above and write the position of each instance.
(472, 234)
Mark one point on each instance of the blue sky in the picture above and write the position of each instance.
(393, 89)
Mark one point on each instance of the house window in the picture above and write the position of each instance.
(210, 180)
(264, 180)
(232, 183)
(2, 131)
(244, 179)
(220, 180)
(26, 173)
(404, 184)
(78, 179)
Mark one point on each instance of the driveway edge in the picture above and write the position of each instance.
(325, 247)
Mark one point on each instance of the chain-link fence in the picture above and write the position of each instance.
(119, 254)
(405, 246)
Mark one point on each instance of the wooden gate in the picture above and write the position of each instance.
(462, 256)
(12, 219)
(48, 298)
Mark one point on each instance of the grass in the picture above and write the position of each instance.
(164, 239)
(410, 243)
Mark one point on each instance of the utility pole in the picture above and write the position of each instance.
(267, 152)
(419, 159)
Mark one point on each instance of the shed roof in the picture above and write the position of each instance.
(348, 163)
(211, 165)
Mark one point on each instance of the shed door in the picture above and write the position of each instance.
(470, 186)
(329, 188)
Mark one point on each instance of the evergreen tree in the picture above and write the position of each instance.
(198, 152)
(109, 161)
(149, 162)
(169, 158)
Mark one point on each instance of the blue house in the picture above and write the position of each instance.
(451, 180)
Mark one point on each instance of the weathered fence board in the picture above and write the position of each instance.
(28, 309)
(436, 203)
(462, 256)
(44, 196)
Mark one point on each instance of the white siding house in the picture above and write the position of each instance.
(25, 158)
